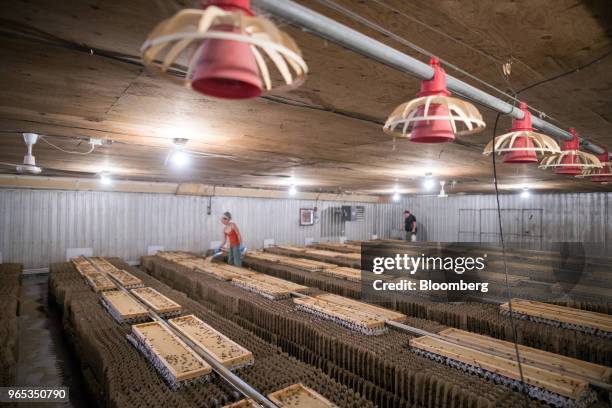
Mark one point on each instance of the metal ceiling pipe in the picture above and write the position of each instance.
(347, 37)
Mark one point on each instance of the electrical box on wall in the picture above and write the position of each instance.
(348, 213)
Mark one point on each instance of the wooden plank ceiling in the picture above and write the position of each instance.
(331, 142)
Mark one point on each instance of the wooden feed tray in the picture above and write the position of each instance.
(245, 403)
(156, 301)
(99, 282)
(223, 271)
(376, 311)
(102, 264)
(498, 277)
(300, 263)
(546, 385)
(174, 255)
(80, 261)
(126, 279)
(299, 396)
(530, 355)
(291, 248)
(281, 283)
(334, 255)
(223, 349)
(87, 269)
(599, 324)
(351, 274)
(354, 319)
(265, 289)
(123, 307)
(172, 358)
(336, 246)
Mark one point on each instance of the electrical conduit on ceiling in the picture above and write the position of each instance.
(367, 46)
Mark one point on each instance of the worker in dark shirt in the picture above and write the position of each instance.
(410, 225)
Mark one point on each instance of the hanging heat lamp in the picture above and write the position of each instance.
(602, 175)
(225, 50)
(522, 144)
(434, 116)
(571, 160)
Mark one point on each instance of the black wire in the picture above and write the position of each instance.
(571, 71)
(508, 290)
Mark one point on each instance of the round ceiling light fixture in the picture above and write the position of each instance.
(522, 144)
(227, 49)
(571, 160)
(434, 116)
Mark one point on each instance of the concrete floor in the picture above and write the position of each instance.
(44, 356)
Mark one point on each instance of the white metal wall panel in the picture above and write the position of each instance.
(37, 226)
(579, 217)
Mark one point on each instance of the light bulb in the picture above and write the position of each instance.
(428, 184)
(105, 179)
(396, 196)
(179, 158)
(525, 193)
(292, 190)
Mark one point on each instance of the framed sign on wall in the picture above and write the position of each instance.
(307, 216)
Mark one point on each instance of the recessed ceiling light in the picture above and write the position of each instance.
(105, 178)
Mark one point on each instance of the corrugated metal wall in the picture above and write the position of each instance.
(540, 219)
(37, 226)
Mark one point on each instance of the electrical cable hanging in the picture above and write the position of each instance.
(91, 149)
(507, 281)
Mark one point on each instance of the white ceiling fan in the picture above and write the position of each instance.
(29, 167)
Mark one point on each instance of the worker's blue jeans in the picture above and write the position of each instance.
(233, 256)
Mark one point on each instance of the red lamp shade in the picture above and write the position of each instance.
(433, 131)
(521, 144)
(227, 69)
(228, 50)
(570, 162)
(603, 174)
(434, 116)
(525, 152)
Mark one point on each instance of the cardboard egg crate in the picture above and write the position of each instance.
(358, 316)
(162, 305)
(123, 308)
(178, 364)
(222, 348)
